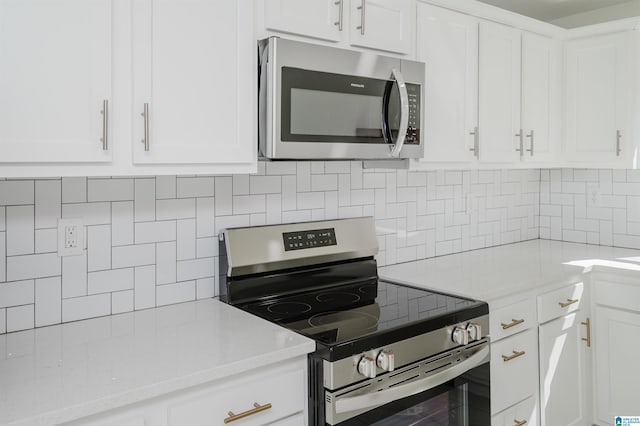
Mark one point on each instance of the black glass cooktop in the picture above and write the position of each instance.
(366, 310)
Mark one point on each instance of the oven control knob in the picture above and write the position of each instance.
(385, 360)
(475, 331)
(460, 336)
(367, 367)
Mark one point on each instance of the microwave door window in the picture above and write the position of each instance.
(345, 116)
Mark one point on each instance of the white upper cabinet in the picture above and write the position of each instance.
(323, 19)
(382, 24)
(598, 88)
(499, 92)
(194, 75)
(377, 24)
(447, 42)
(541, 98)
(55, 80)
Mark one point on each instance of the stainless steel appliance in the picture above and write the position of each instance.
(386, 354)
(318, 102)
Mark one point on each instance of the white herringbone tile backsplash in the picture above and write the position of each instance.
(152, 241)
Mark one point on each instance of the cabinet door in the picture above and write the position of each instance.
(382, 24)
(323, 19)
(541, 101)
(564, 371)
(55, 74)
(616, 363)
(499, 94)
(194, 68)
(597, 84)
(448, 44)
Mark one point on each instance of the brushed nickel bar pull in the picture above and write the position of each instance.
(475, 149)
(145, 114)
(105, 125)
(340, 3)
(618, 137)
(520, 135)
(530, 135)
(513, 323)
(519, 422)
(587, 339)
(361, 8)
(257, 408)
(515, 355)
(568, 302)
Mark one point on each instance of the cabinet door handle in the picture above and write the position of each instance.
(519, 422)
(568, 302)
(513, 323)
(361, 8)
(257, 408)
(618, 137)
(530, 136)
(587, 339)
(145, 114)
(515, 355)
(105, 125)
(520, 135)
(475, 149)
(340, 4)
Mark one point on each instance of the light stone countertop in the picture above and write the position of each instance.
(494, 273)
(65, 372)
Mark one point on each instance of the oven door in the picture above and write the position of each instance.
(447, 390)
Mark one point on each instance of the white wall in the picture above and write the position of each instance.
(152, 240)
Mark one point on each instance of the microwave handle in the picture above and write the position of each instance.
(404, 112)
(372, 400)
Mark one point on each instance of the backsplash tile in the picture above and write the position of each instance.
(569, 210)
(152, 241)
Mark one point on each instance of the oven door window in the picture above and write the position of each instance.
(464, 401)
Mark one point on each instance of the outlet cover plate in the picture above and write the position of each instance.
(63, 226)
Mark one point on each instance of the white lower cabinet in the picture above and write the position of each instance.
(564, 357)
(523, 413)
(274, 395)
(616, 346)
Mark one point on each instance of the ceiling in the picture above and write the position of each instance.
(548, 10)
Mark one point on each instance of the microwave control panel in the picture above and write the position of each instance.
(413, 129)
(309, 239)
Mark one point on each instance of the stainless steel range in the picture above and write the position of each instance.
(386, 354)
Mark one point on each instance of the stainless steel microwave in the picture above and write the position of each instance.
(319, 102)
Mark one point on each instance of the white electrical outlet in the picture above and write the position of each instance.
(70, 237)
(593, 195)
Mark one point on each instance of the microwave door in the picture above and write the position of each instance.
(403, 124)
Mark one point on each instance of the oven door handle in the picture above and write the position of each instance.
(376, 399)
(404, 113)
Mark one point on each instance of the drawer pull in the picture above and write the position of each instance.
(519, 422)
(515, 355)
(587, 339)
(257, 408)
(568, 302)
(513, 323)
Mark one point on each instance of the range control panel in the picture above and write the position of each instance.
(309, 239)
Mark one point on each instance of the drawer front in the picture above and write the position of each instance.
(523, 413)
(285, 391)
(560, 302)
(514, 369)
(512, 319)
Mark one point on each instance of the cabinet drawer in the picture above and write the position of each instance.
(514, 369)
(284, 389)
(560, 302)
(523, 413)
(512, 319)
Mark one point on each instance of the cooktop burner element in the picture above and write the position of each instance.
(333, 296)
(289, 308)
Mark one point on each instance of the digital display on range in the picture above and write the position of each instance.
(309, 239)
